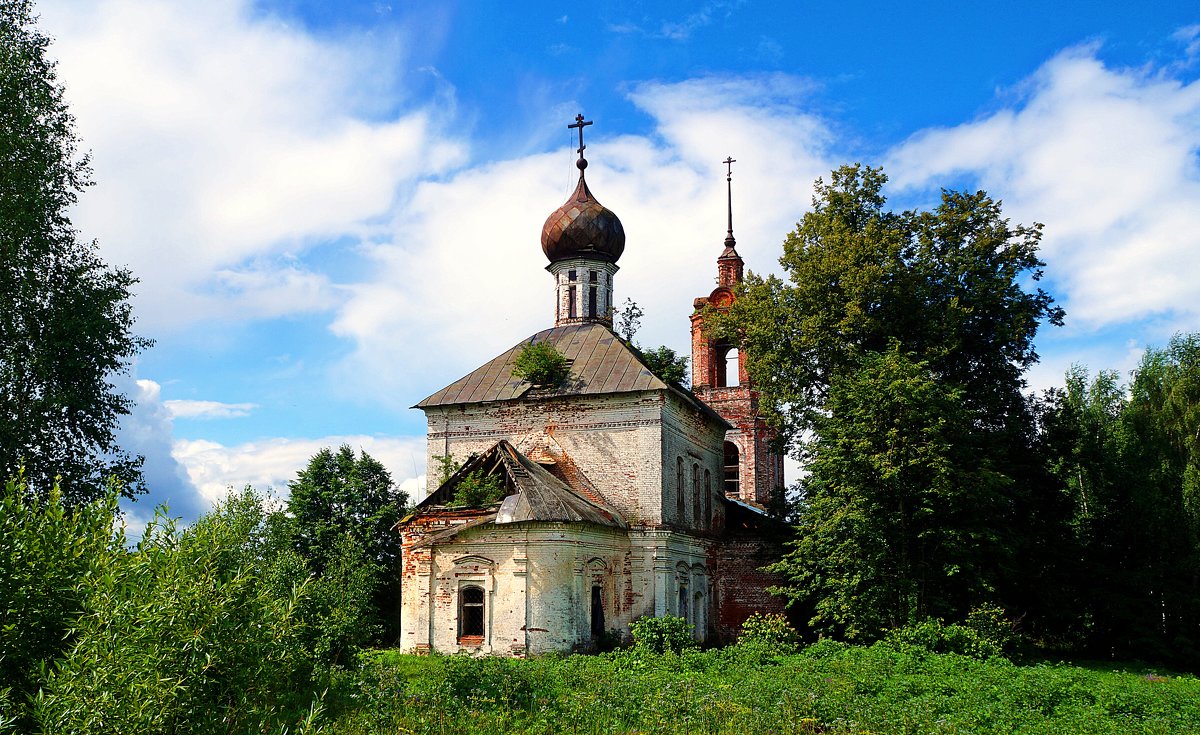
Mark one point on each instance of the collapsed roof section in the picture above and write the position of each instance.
(532, 493)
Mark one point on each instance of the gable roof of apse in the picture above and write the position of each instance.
(600, 361)
(532, 492)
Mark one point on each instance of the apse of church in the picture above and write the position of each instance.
(610, 491)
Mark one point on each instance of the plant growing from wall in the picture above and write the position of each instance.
(478, 490)
(539, 363)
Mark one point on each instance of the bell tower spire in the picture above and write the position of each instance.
(753, 468)
(730, 265)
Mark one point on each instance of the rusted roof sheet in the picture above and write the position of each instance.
(601, 363)
(534, 494)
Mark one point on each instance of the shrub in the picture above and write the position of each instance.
(541, 364)
(934, 635)
(770, 631)
(659, 635)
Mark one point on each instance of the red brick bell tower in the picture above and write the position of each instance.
(753, 469)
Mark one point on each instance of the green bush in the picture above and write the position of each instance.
(937, 637)
(771, 631)
(48, 552)
(539, 363)
(185, 634)
(659, 635)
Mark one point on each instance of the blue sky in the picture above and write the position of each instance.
(334, 208)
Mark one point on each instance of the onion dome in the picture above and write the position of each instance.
(583, 228)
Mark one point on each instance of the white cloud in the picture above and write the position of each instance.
(270, 464)
(462, 277)
(189, 409)
(1106, 159)
(226, 143)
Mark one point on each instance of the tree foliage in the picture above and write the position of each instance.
(891, 359)
(65, 318)
(1127, 459)
(668, 366)
(340, 502)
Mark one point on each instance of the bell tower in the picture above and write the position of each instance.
(753, 467)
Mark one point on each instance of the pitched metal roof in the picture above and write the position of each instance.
(534, 494)
(600, 363)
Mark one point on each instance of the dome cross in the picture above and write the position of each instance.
(581, 124)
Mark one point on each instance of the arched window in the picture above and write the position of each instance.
(683, 602)
(725, 365)
(697, 507)
(470, 613)
(707, 499)
(679, 488)
(732, 469)
(732, 379)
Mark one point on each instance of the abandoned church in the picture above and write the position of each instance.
(617, 494)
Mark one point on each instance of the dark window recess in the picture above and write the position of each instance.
(570, 275)
(683, 602)
(571, 311)
(732, 469)
(592, 277)
(696, 505)
(597, 611)
(470, 612)
(679, 488)
(707, 499)
(592, 301)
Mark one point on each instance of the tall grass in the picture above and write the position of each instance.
(826, 688)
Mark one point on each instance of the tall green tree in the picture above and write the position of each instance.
(884, 323)
(65, 318)
(338, 498)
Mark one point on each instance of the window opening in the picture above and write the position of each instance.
(597, 611)
(707, 499)
(571, 312)
(570, 275)
(683, 602)
(696, 507)
(592, 301)
(592, 277)
(470, 612)
(679, 488)
(732, 469)
(732, 377)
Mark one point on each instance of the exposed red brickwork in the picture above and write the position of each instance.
(740, 585)
(760, 474)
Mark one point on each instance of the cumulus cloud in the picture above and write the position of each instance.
(462, 278)
(270, 464)
(226, 143)
(1106, 158)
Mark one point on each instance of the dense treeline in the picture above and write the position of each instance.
(891, 358)
(1128, 458)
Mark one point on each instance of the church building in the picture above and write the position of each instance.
(585, 504)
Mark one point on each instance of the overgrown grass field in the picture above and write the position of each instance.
(743, 690)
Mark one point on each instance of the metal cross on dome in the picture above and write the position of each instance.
(581, 124)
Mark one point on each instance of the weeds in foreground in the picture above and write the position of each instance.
(745, 690)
